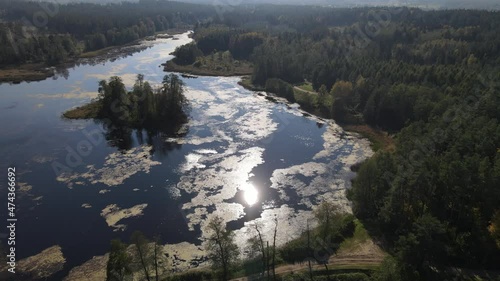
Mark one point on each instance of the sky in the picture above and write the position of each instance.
(482, 4)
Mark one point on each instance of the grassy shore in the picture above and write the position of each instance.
(306, 86)
(244, 68)
(246, 82)
(25, 72)
(104, 51)
(307, 99)
(100, 52)
(379, 139)
(41, 71)
(88, 111)
(357, 254)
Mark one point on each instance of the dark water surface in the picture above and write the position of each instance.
(243, 158)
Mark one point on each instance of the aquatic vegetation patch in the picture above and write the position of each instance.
(118, 167)
(113, 214)
(41, 159)
(24, 187)
(184, 256)
(94, 269)
(43, 264)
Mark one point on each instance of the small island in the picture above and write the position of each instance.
(216, 51)
(144, 107)
(217, 64)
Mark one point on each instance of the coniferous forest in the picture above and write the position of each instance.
(51, 33)
(429, 79)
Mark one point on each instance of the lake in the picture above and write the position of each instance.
(243, 157)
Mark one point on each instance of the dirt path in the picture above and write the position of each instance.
(364, 254)
(305, 91)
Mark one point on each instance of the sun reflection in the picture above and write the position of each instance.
(250, 194)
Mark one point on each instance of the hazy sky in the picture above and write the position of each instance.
(420, 3)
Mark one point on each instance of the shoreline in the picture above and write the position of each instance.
(97, 265)
(379, 139)
(26, 73)
(34, 72)
(243, 70)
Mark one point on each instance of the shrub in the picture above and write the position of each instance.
(348, 225)
(280, 88)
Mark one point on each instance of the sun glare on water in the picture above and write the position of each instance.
(250, 194)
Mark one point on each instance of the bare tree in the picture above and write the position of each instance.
(156, 253)
(222, 251)
(257, 245)
(142, 246)
(309, 249)
(267, 253)
(274, 247)
(268, 264)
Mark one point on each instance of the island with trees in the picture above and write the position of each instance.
(144, 107)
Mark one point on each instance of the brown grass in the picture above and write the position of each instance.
(25, 72)
(87, 111)
(379, 139)
(246, 82)
(245, 68)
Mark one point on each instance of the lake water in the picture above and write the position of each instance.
(244, 158)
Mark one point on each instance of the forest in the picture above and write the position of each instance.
(428, 78)
(51, 33)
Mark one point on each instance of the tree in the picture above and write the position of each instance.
(494, 227)
(257, 247)
(143, 108)
(328, 218)
(242, 45)
(274, 247)
(323, 91)
(267, 253)
(156, 255)
(329, 225)
(342, 93)
(187, 54)
(149, 254)
(389, 270)
(90, 25)
(280, 88)
(143, 251)
(119, 262)
(222, 250)
(423, 248)
(309, 251)
(115, 100)
(295, 251)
